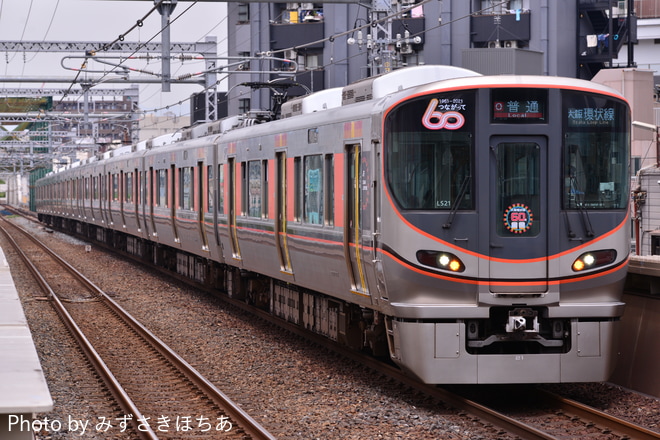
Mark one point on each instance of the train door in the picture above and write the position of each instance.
(354, 219)
(145, 198)
(136, 194)
(233, 233)
(110, 197)
(518, 213)
(201, 193)
(173, 180)
(82, 194)
(152, 187)
(280, 214)
(93, 196)
(123, 195)
(103, 195)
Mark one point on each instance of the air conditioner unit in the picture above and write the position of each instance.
(511, 43)
(290, 54)
(493, 44)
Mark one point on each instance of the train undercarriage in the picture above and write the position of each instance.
(347, 324)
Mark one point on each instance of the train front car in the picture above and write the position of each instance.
(505, 230)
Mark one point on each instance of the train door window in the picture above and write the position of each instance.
(519, 181)
(244, 189)
(162, 188)
(313, 192)
(221, 189)
(210, 200)
(186, 196)
(264, 192)
(255, 189)
(297, 188)
(329, 190)
(128, 187)
(115, 187)
(137, 187)
(155, 190)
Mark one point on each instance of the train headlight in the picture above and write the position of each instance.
(441, 260)
(590, 260)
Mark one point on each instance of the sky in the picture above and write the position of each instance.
(104, 21)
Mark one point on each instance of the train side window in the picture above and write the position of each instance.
(255, 188)
(313, 193)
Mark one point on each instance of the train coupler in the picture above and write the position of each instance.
(523, 320)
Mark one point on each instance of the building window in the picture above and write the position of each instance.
(243, 13)
(308, 61)
(245, 65)
(244, 106)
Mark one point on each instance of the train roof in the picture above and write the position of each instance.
(529, 81)
(415, 80)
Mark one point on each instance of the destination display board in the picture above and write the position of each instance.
(519, 106)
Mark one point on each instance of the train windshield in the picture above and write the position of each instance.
(595, 152)
(429, 152)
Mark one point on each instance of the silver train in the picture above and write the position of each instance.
(473, 228)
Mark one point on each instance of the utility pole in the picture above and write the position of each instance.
(385, 51)
(165, 8)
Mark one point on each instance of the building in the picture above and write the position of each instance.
(299, 47)
(152, 125)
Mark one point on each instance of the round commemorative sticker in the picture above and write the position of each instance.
(518, 218)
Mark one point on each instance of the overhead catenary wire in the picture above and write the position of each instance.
(330, 38)
(345, 33)
(83, 65)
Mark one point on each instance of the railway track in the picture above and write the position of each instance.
(160, 394)
(553, 417)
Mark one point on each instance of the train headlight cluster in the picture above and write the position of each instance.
(590, 260)
(441, 260)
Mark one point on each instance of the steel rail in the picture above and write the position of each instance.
(493, 417)
(600, 418)
(246, 422)
(118, 392)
